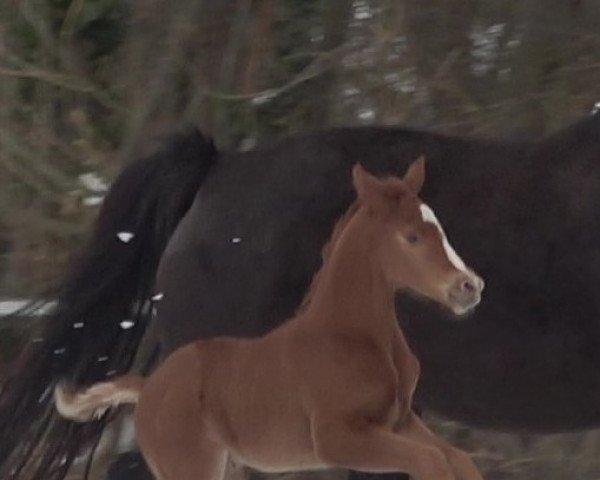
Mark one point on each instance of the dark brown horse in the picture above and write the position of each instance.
(238, 262)
(288, 400)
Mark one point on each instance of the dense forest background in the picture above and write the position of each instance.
(87, 85)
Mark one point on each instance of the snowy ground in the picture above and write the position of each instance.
(10, 306)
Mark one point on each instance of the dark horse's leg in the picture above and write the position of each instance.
(376, 476)
(129, 466)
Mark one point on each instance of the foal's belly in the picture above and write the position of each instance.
(273, 443)
(266, 461)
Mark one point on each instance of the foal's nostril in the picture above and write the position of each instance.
(466, 288)
(465, 293)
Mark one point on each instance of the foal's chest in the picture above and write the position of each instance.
(408, 369)
(392, 391)
(407, 375)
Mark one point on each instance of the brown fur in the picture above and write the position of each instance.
(338, 228)
(289, 400)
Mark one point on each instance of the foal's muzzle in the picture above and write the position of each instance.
(465, 292)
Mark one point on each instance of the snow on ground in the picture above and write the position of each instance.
(11, 306)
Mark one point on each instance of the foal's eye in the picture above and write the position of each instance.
(412, 238)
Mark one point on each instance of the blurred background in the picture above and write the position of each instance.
(87, 85)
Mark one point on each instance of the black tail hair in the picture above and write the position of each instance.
(112, 282)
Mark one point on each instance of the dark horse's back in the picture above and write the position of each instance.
(252, 239)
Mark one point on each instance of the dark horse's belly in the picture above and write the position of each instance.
(499, 372)
(527, 358)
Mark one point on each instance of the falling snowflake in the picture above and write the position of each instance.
(78, 325)
(60, 351)
(127, 324)
(125, 237)
(44, 394)
(158, 297)
(236, 240)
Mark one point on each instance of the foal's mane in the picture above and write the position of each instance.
(338, 228)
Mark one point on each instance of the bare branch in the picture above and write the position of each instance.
(64, 81)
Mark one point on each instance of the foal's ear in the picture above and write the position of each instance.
(362, 180)
(415, 175)
(370, 190)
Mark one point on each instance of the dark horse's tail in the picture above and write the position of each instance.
(102, 309)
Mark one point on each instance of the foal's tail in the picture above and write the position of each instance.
(101, 310)
(90, 403)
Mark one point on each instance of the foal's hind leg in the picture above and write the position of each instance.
(204, 461)
(173, 441)
(179, 451)
(463, 467)
(169, 423)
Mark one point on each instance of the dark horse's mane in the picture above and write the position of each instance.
(111, 281)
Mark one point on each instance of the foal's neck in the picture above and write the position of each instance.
(353, 292)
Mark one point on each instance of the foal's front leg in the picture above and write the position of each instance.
(463, 467)
(376, 449)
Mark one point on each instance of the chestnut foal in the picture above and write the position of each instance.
(332, 387)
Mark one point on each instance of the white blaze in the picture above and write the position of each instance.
(429, 217)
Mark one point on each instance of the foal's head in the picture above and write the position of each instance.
(411, 244)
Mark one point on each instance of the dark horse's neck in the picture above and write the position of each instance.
(352, 291)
